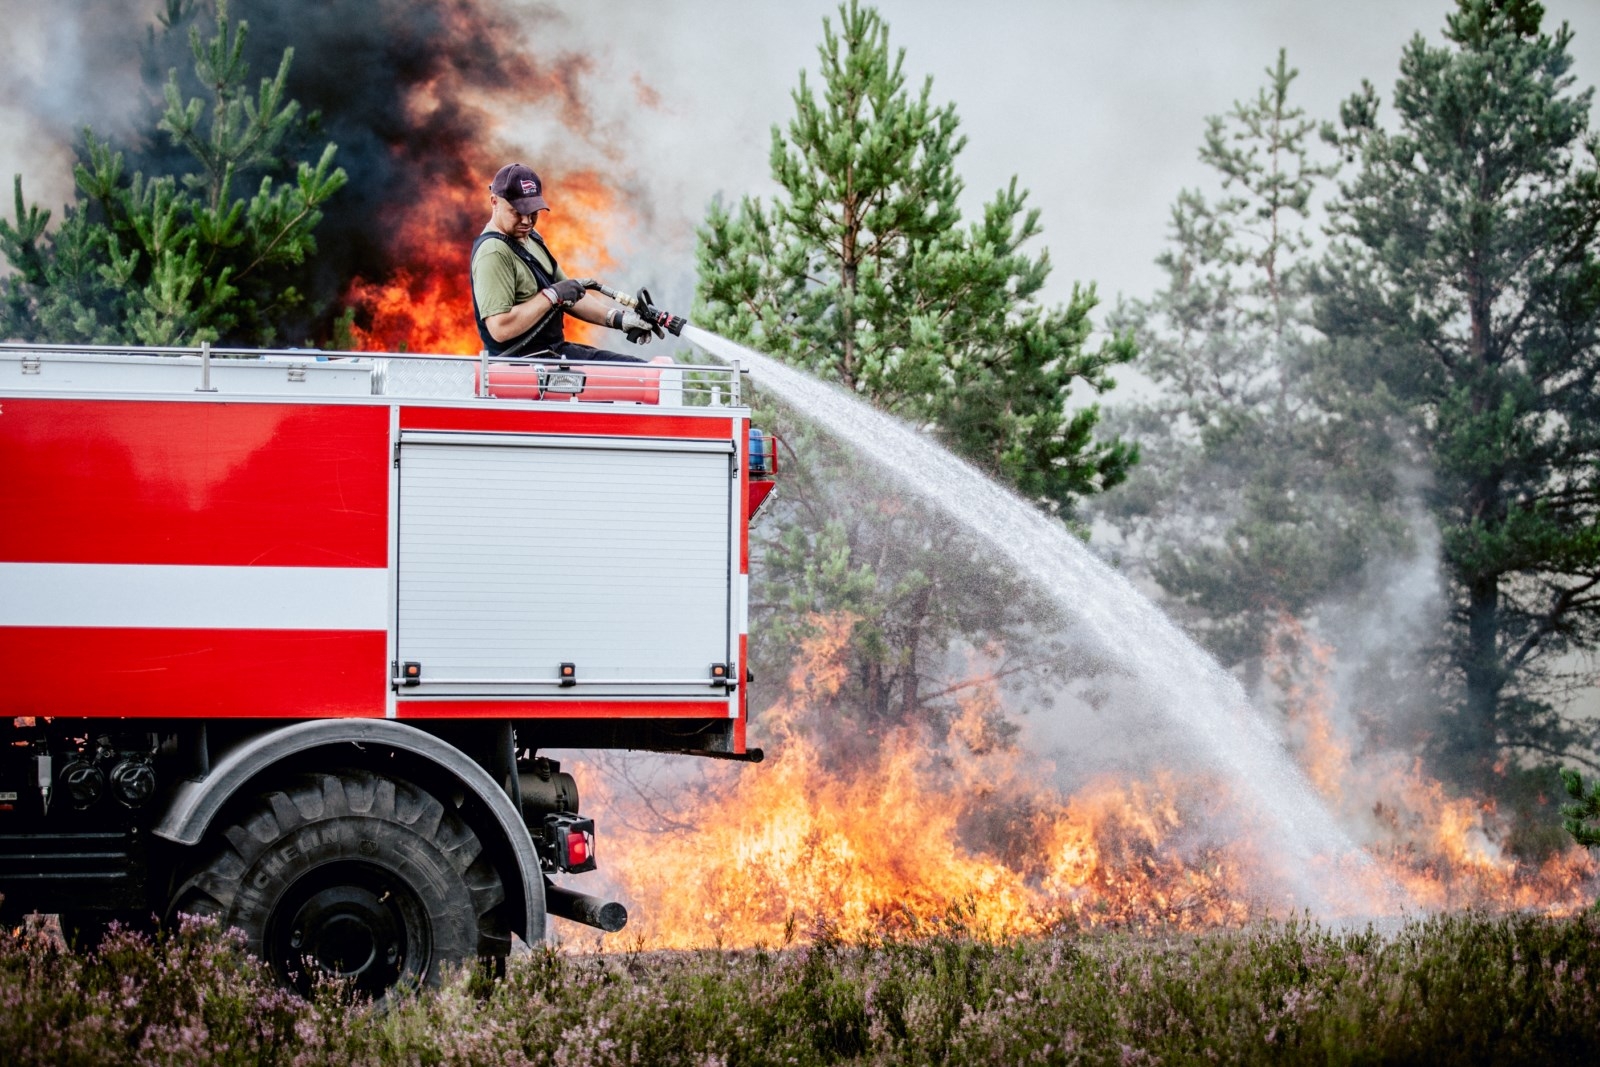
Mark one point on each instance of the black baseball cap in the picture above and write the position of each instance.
(517, 184)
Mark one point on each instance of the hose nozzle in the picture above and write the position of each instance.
(647, 311)
(642, 307)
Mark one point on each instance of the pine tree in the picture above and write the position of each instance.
(177, 258)
(1250, 504)
(862, 273)
(1463, 294)
(1581, 818)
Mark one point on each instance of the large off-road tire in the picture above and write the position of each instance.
(356, 876)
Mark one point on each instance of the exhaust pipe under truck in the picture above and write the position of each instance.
(286, 635)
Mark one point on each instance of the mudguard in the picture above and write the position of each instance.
(195, 803)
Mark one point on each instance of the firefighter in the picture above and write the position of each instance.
(520, 294)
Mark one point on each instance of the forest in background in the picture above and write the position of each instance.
(1367, 436)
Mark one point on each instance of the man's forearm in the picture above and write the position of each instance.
(593, 308)
(520, 319)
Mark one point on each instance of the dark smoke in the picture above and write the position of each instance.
(417, 95)
(409, 91)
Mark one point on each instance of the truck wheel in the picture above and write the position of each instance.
(353, 876)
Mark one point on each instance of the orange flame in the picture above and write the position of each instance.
(425, 305)
(1442, 850)
(931, 831)
(928, 831)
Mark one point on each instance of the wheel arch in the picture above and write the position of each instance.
(196, 803)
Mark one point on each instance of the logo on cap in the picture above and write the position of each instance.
(530, 188)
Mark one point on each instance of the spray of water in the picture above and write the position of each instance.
(1179, 679)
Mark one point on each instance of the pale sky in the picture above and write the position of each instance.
(1096, 106)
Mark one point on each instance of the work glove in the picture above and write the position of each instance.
(565, 293)
(632, 326)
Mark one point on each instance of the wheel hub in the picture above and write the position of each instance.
(350, 922)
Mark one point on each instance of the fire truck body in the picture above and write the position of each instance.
(242, 589)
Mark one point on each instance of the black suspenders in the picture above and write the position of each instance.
(549, 325)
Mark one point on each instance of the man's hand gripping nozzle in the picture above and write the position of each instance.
(657, 319)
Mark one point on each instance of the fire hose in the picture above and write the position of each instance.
(639, 303)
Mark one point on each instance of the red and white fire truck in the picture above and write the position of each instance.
(282, 636)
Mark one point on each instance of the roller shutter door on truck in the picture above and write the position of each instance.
(520, 553)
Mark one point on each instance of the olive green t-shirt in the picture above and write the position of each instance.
(500, 280)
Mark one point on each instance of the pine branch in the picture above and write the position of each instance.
(1581, 819)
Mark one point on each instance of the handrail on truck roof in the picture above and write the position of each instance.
(405, 374)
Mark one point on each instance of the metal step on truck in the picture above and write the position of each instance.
(283, 635)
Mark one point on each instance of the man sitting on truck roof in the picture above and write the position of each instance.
(520, 294)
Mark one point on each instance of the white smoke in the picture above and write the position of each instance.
(60, 74)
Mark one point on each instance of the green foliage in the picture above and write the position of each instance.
(1464, 989)
(167, 259)
(1462, 297)
(845, 544)
(1581, 818)
(862, 273)
(1251, 503)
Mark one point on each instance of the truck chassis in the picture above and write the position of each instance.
(287, 635)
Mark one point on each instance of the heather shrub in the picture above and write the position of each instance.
(188, 996)
(1451, 989)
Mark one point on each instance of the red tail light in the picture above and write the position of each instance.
(568, 843)
(580, 847)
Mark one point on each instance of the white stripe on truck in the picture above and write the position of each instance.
(150, 596)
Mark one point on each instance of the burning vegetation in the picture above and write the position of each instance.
(425, 101)
(403, 111)
(937, 832)
(420, 305)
